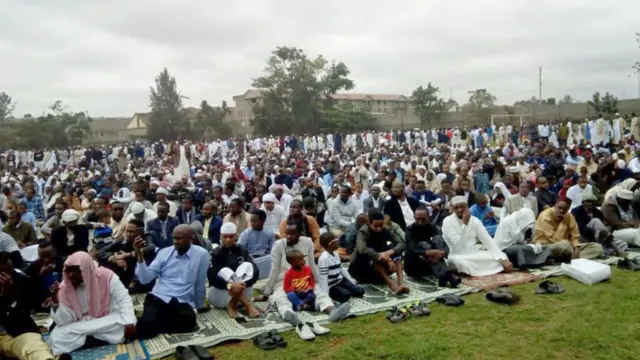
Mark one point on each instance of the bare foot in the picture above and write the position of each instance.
(232, 309)
(402, 290)
(253, 312)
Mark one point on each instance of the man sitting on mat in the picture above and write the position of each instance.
(94, 307)
(378, 255)
(275, 284)
(232, 274)
(181, 272)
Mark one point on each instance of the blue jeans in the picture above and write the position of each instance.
(306, 298)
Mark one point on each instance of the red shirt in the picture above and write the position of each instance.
(299, 280)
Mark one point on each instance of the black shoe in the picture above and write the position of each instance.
(549, 287)
(455, 281)
(64, 357)
(503, 295)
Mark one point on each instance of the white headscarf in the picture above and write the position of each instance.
(511, 229)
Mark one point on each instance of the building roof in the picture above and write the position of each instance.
(109, 123)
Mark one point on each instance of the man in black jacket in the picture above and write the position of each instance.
(399, 207)
(21, 337)
(426, 251)
(44, 272)
(232, 274)
(120, 257)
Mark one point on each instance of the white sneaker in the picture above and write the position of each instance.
(317, 329)
(304, 332)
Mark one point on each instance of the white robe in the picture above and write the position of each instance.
(71, 333)
(465, 255)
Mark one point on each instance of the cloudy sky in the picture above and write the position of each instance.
(102, 56)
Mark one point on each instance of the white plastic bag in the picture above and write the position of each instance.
(587, 271)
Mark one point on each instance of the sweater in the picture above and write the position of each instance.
(299, 280)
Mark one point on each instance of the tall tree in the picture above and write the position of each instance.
(427, 104)
(480, 102)
(58, 128)
(167, 119)
(567, 99)
(210, 120)
(607, 104)
(347, 118)
(296, 92)
(7, 106)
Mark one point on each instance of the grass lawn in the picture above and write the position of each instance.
(586, 322)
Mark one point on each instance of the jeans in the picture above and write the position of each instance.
(344, 290)
(306, 298)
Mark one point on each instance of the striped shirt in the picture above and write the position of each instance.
(331, 270)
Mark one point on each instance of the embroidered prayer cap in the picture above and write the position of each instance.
(588, 196)
(457, 200)
(228, 228)
(137, 208)
(163, 191)
(69, 215)
(269, 197)
(625, 194)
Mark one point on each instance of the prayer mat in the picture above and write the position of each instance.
(216, 327)
(491, 282)
(132, 351)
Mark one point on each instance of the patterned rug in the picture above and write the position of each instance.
(490, 282)
(215, 326)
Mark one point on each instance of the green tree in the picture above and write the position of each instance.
(567, 99)
(480, 102)
(347, 118)
(58, 128)
(211, 120)
(296, 92)
(607, 104)
(167, 119)
(427, 104)
(7, 106)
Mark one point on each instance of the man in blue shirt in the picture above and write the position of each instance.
(181, 273)
(258, 241)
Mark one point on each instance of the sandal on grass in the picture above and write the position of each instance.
(418, 308)
(277, 338)
(549, 287)
(397, 315)
(264, 341)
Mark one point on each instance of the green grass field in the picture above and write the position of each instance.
(586, 322)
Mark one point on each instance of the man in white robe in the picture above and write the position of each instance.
(92, 302)
(461, 232)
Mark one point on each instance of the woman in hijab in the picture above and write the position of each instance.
(514, 237)
(94, 307)
(499, 194)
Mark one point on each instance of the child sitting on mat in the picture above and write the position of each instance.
(299, 282)
(334, 279)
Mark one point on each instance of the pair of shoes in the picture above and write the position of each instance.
(629, 264)
(450, 300)
(418, 308)
(193, 352)
(308, 331)
(453, 280)
(397, 314)
(549, 287)
(503, 295)
(269, 340)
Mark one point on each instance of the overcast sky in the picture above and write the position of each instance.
(102, 56)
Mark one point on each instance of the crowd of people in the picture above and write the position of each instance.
(195, 225)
